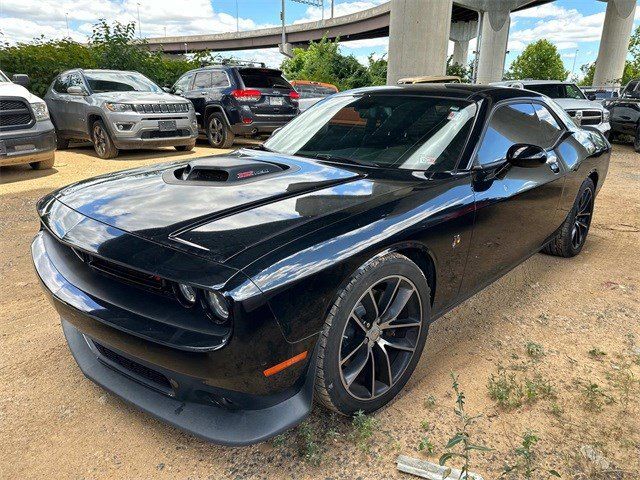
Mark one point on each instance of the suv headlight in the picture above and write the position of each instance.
(605, 115)
(119, 107)
(40, 111)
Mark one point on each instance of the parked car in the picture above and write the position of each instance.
(430, 79)
(232, 100)
(625, 113)
(568, 95)
(312, 92)
(26, 132)
(246, 284)
(600, 94)
(118, 110)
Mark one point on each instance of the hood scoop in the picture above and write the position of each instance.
(223, 171)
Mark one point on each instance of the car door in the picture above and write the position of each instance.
(57, 103)
(77, 106)
(516, 208)
(198, 92)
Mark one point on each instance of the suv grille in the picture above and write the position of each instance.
(162, 108)
(156, 379)
(589, 117)
(14, 114)
(183, 132)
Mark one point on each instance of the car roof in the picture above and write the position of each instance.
(533, 82)
(97, 70)
(462, 91)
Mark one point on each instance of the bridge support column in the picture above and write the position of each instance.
(493, 45)
(614, 42)
(418, 38)
(461, 33)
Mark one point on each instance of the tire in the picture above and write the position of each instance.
(43, 164)
(573, 233)
(344, 346)
(62, 143)
(219, 134)
(102, 143)
(185, 148)
(636, 140)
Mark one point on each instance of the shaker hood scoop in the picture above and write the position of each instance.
(154, 202)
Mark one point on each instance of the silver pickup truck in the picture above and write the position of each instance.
(26, 132)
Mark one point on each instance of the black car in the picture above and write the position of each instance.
(232, 100)
(625, 113)
(223, 294)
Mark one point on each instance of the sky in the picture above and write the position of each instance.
(574, 26)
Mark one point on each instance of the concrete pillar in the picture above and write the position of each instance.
(461, 33)
(418, 38)
(493, 46)
(614, 42)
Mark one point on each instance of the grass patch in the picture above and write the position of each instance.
(509, 392)
(534, 350)
(363, 430)
(596, 353)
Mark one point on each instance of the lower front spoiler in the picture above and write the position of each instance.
(209, 422)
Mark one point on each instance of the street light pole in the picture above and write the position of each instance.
(237, 18)
(574, 62)
(66, 17)
(139, 25)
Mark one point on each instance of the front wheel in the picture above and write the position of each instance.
(102, 143)
(373, 336)
(185, 148)
(573, 233)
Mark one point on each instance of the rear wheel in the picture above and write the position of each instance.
(573, 233)
(219, 134)
(102, 143)
(43, 164)
(373, 336)
(62, 143)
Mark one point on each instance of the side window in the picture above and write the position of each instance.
(75, 80)
(61, 84)
(219, 79)
(509, 124)
(202, 80)
(183, 83)
(549, 128)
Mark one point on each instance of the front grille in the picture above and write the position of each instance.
(589, 117)
(161, 107)
(170, 134)
(156, 379)
(128, 275)
(15, 114)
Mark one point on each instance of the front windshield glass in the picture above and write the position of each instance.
(557, 90)
(101, 82)
(3, 77)
(400, 131)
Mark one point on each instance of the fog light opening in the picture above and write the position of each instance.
(186, 294)
(124, 126)
(218, 304)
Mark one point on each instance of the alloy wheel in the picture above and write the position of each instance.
(217, 130)
(583, 219)
(99, 140)
(380, 337)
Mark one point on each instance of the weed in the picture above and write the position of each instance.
(279, 440)
(430, 402)
(363, 429)
(425, 425)
(538, 387)
(595, 398)
(310, 450)
(525, 458)
(535, 350)
(426, 445)
(626, 382)
(596, 353)
(462, 437)
(556, 410)
(511, 393)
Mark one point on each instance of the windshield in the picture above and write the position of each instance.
(102, 82)
(399, 131)
(3, 77)
(557, 90)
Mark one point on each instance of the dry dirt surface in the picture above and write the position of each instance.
(561, 338)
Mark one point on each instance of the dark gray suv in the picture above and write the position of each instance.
(119, 110)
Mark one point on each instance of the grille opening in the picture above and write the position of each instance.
(137, 370)
(14, 114)
(168, 134)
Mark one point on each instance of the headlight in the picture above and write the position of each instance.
(40, 111)
(218, 304)
(605, 115)
(187, 294)
(119, 107)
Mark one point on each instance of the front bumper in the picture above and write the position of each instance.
(604, 127)
(25, 146)
(145, 131)
(211, 393)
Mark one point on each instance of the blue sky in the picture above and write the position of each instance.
(573, 25)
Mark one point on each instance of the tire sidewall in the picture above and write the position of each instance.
(394, 265)
(110, 150)
(588, 183)
(213, 117)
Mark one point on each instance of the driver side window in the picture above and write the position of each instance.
(183, 83)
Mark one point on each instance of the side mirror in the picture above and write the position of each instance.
(177, 91)
(76, 90)
(20, 79)
(591, 96)
(166, 89)
(526, 156)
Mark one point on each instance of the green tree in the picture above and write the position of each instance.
(462, 71)
(377, 70)
(323, 62)
(540, 60)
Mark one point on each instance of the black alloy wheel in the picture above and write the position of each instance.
(582, 219)
(219, 134)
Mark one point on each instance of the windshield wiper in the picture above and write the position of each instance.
(337, 158)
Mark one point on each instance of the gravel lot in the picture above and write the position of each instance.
(581, 318)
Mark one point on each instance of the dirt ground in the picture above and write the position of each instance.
(568, 330)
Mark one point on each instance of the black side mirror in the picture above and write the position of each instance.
(591, 96)
(20, 79)
(166, 89)
(526, 156)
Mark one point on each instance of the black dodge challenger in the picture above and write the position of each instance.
(222, 295)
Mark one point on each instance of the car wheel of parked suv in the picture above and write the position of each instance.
(102, 143)
(218, 133)
(636, 140)
(573, 233)
(62, 143)
(43, 164)
(373, 336)
(185, 148)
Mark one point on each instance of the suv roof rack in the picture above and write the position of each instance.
(233, 62)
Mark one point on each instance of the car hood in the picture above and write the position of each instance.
(138, 97)
(10, 89)
(207, 214)
(578, 104)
